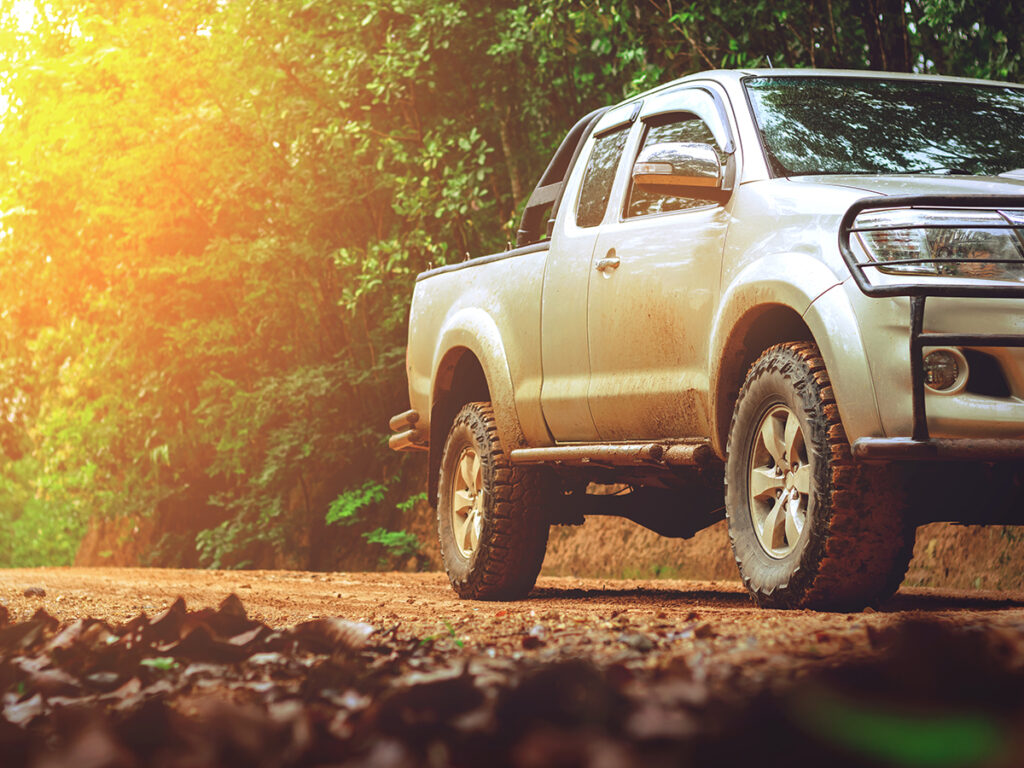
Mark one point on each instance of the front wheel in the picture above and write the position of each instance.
(810, 528)
(491, 516)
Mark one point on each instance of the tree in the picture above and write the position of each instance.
(213, 213)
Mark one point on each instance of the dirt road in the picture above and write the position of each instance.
(108, 667)
(584, 616)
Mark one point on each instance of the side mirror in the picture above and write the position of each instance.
(681, 169)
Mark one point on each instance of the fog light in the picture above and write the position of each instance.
(944, 370)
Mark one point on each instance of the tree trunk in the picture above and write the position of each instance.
(885, 28)
(510, 160)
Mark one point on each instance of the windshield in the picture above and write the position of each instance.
(815, 125)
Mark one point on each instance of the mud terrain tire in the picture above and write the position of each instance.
(491, 515)
(810, 528)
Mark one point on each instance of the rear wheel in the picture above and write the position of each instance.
(492, 521)
(810, 527)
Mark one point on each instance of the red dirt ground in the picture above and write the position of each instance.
(392, 670)
(423, 604)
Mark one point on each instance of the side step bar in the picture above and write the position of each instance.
(937, 449)
(618, 454)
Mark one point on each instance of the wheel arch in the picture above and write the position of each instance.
(762, 305)
(459, 379)
(755, 331)
(784, 298)
(472, 367)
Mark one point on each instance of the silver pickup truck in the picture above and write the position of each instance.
(787, 297)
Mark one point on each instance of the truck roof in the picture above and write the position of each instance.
(735, 75)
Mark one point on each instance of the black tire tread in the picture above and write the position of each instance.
(515, 533)
(864, 544)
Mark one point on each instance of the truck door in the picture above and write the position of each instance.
(654, 288)
(564, 355)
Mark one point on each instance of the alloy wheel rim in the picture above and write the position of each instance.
(468, 501)
(780, 482)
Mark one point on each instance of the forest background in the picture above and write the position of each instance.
(212, 213)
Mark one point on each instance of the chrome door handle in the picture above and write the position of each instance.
(608, 264)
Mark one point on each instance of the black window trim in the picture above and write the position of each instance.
(729, 151)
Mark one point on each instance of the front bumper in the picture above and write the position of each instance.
(921, 446)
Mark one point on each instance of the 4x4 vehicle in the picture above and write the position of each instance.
(804, 283)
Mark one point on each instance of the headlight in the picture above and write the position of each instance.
(953, 243)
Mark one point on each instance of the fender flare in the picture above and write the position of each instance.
(791, 285)
(473, 330)
(833, 322)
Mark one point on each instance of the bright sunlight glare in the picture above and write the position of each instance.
(24, 14)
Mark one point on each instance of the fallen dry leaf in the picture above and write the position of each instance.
(215, 688)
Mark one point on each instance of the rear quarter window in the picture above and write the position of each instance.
(598, 177)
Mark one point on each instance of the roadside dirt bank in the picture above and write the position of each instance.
(945, 555)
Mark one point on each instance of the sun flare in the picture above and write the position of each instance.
(23, 12)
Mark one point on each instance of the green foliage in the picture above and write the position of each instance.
(33, 535)
(345, 509)
(371, 495)
(212, 215)
(396, 543)
(412, 501)
(218, 545)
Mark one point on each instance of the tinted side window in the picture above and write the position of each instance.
(598, 178)
(686, 127)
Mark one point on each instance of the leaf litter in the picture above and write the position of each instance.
(213, 687)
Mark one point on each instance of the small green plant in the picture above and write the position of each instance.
(451, 634)
(408, 504)
(397, 543)
(164, 663)
(430, 639)
(344, 510)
